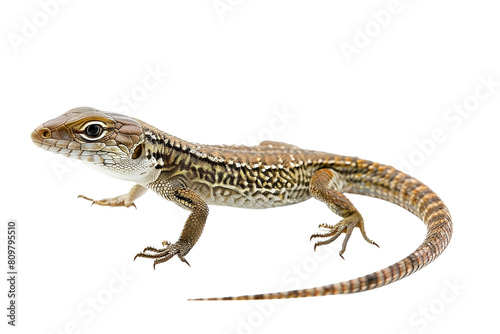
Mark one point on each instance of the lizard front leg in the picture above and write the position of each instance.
(187, 199)
(126, 200)
(326, 185)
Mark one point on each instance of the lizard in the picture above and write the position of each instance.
(267, 175)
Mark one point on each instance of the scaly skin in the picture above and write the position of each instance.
(268, 175)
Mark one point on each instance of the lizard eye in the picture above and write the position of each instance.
(93, 131)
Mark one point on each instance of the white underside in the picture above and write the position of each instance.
(142, 177)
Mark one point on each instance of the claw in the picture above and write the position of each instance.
(183, 259)
(115, 201)
(88, 199)
(346, 226)
(316, 235)
(164, 254)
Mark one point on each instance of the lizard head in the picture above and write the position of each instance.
(111, 142)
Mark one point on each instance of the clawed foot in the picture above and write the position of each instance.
(346, 226)
(164, 254)
(122, 200)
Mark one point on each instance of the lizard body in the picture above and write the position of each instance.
(268, 175)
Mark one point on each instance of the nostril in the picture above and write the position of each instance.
(44, 133)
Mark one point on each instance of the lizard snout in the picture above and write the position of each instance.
(40, 133)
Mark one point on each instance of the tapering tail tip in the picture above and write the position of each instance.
(319, 291)
(278, 295)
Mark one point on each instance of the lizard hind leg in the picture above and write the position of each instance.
(326, 186)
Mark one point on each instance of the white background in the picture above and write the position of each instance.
(233, 66)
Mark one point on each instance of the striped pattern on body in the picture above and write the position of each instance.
(267, 175)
